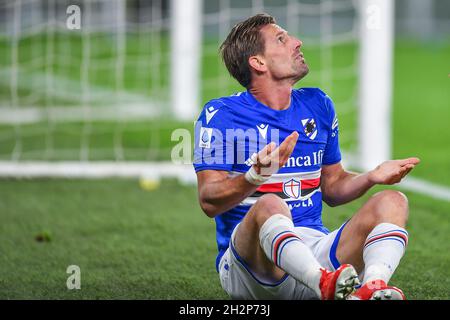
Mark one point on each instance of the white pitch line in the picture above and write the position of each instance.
(185, 173)
(425, 187)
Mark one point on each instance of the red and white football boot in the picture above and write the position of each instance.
(377, 290)
(338, 285)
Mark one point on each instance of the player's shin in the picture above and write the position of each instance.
(286, 250)
(382, 252)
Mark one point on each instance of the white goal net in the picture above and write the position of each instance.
(96, 87)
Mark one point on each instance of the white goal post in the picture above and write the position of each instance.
(186, 22)
(376, 49)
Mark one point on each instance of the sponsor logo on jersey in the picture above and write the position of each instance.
(262, 128)
(205, 137)
(303, 204)
(210, 112)
(310, 128)
(305, 161)
(301, 161)
(292, 188)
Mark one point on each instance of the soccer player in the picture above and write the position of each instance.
(265, 160)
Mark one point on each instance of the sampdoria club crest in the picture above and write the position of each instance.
(310, 128)
(293, 188)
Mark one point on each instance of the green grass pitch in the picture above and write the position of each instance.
(136, 244)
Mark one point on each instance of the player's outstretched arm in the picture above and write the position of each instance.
(218, 192)
(340, 186)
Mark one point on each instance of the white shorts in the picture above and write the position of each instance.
(240, 282)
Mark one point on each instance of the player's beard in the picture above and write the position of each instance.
(301, 71)
(293, 73)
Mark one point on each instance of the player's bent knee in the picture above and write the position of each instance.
(392, 198)
(390, 203)
(270, 204)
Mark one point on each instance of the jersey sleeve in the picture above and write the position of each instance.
(332, 153)
(212, 151)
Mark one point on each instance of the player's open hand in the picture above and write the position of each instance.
(392, 171)
(270, 159)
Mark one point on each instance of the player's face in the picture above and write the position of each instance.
(282, 54)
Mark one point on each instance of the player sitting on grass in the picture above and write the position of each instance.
(268, 204)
